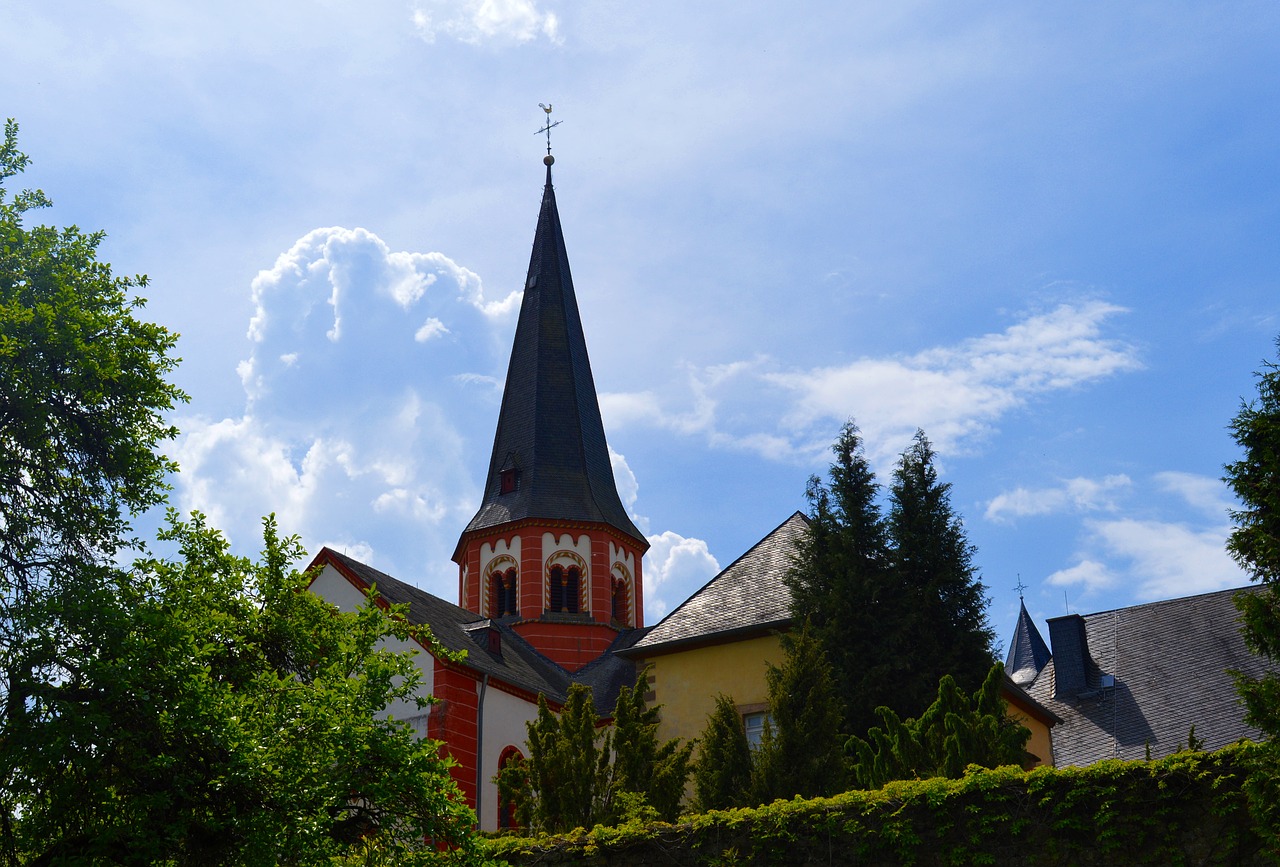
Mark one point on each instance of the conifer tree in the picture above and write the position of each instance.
(579, 775)
(1255, 541)
(954, 732)
(944, 624)
(642, 764)
(841, 583)
(803, 750)
(722, 773)
(895, 601)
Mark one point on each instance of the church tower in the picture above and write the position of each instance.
(552, 551)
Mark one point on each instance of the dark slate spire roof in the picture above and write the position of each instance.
(1027, 652)
(549, 428)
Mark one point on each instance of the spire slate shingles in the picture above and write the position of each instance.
(1028, 653)
(549, 427)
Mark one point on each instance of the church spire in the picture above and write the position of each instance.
(550, 460)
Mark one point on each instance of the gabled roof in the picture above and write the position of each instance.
(1028, 653)
(519, 665)
(549, 428)
(748, 596)
(1170, 663)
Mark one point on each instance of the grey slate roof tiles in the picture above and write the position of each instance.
(749, 594)
(549, 428)
(1170, 663)
(519, 664)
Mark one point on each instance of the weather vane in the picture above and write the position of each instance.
(1020, 586)
(548, 159)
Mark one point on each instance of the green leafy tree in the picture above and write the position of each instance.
(722, 773)
(233, 717)
(954, 732)
(802, 752)
(83, 400)
(944, 603)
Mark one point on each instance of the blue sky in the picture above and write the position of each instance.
(1046, 236)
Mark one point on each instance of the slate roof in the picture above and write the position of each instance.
(1169, 661)
(1028, 653)
(748, 595)
(519, 664)
(549, 428)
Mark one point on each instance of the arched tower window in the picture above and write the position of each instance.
(507, 809)
(620, 607)
(502, 593)
(572, 587)
(557, 588)
(565, 587)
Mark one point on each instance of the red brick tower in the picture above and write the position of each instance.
(552, 550)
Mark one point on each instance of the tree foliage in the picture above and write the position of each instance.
(722, 772)
(895, 600)
(205, 709)
(802, 752)
(579, 774)
(1255, 541)
(220, 713)
(954, 732)
(642, 764)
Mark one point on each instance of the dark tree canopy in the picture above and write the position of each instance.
(803, 749)
(954, 732)
(1255, 541)
(895, 601)
(945, 603)
(722, 773)
(579, 775)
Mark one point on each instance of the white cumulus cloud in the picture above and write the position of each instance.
(480, 21)
(674, 562)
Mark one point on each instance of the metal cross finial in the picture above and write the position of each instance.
(1020, 586)
(547, 128)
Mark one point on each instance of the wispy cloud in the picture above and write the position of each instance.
(1073, 495)
(478, 21)
(958, 394)
(1159, 557)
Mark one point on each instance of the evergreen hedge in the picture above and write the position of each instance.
(1187, 809)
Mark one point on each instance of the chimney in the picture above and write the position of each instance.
(1070, 656)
